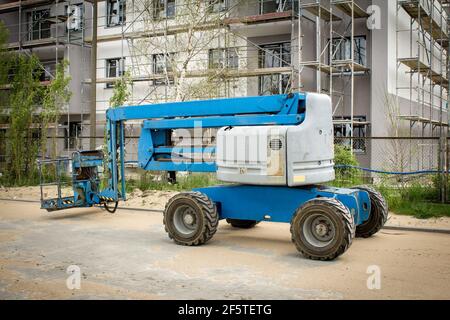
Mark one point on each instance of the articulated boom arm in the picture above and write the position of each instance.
(155, 151)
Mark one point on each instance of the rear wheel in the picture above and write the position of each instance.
(322, 229)
(242, 224)
(190, 218)
(378, 214)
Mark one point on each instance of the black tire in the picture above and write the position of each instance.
(378, 214)
(242, 224)
(333, 219)
(190, 219)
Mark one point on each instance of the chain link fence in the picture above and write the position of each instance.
(389, 162)
(394, 163)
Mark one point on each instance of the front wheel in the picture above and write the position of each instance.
(190, 218)
(378, 214)
(322, 229)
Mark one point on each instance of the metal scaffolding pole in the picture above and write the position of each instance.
(93, 104)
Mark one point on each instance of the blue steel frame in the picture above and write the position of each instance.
(116, 155)
(84, 192)
(278, 204)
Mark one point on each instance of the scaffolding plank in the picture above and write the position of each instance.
(37, 43)
(419, 67)
(417, 11)
(439, 79)
(237, 73)
(356, 67)
(414, 64)
(261, 18)
(56, 19)
(346, 7)
(155, 32)
(320, 11)
(355, 123)
(325, 68)
(420, 119)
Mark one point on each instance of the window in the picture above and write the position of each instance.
(342, 49)
(163, 9)
(274, 56)
(48, 69)
(273, 84)
(268, 6)
(115, 12)
(71, 134)
(217, 5)
(343, 130)
(223, 58)
(38, 24)
(114, 68)
(162, 63)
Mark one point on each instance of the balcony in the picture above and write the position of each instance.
(262, 18)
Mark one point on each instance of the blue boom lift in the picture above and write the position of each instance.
(273, 152)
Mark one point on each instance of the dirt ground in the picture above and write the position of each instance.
(127, 255)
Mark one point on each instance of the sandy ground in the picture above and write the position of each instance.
(128, 255)
(151, 199)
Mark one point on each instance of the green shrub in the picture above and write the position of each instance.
(418, 192)
(438, 184)
(345, 176)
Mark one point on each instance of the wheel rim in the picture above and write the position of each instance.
(185, 220)
(318, 230)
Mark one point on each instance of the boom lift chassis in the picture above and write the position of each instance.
(324, 220)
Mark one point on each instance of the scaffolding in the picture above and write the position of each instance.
(48, 28)
(236, 26)
(424, 62)
(338, 59)
(422, 81)
(143, 35)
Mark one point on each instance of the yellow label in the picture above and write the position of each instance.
(298, 179)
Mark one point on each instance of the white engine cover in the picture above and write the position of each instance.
(280, 155)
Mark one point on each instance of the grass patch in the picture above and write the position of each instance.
(423, 210)
(8, 181)
(417, 200)
(149, 181)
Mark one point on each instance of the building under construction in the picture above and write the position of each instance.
(384, 63)
(54, 31)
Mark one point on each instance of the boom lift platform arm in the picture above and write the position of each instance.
(276, 150)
